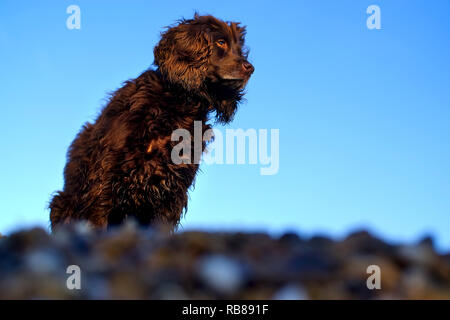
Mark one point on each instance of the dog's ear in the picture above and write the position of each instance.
(182, 55)
(241, 31)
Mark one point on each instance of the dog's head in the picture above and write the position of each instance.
(205, 54)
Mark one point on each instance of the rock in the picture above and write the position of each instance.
(290, 239)
(291, 292)
(222, 274)
(43, 261)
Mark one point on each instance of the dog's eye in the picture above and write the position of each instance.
(221, 43)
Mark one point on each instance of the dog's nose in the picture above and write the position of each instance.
(248, 67)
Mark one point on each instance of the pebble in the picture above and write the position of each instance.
(291, 292)
(221, 273)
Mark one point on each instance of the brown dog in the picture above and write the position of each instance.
(121, 165)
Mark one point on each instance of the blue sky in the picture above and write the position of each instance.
(364, 115)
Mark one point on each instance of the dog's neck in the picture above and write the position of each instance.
(210, 97)
(223, 100)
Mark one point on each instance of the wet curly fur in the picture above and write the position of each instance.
(120, 166)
